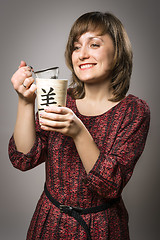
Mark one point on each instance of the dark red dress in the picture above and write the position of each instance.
(120, 135)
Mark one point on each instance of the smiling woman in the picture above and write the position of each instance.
(91, 146)
(92, 57)
(103, 25)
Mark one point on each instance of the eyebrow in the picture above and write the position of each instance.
(98, 37)
(91, 38)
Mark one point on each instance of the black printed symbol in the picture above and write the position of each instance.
(47, 98)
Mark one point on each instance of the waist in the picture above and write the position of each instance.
(63, 208)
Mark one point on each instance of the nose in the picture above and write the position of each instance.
(84, 53)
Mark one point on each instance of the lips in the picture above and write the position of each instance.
(87, 66)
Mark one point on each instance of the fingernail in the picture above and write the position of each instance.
(30, 66)
(41, 121)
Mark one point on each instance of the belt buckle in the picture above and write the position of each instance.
(65, 209)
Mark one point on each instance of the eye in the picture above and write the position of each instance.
(76, 47)
(95, 45)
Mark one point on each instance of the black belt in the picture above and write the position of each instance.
(76, 212)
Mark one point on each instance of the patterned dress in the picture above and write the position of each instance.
(120, 134)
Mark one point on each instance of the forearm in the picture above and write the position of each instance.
(87, 149)
(24, 132)
(63, 120)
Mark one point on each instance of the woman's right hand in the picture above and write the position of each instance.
(23, 83)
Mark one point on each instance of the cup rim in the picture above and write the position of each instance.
(63, 79)
(47, 69)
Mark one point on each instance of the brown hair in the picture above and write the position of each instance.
(103, 23)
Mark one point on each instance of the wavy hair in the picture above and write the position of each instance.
(103, 23)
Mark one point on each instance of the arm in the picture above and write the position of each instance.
(87, 149)
(27, 147)
(114, 168)
(24, 132)
(63, 120)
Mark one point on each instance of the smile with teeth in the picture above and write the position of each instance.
(86, 66)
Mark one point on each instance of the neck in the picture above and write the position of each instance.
(97, 92)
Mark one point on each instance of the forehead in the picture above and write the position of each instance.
(88, 36)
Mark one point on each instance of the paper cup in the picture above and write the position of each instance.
(51, 92)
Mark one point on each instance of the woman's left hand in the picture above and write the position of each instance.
(61, 119)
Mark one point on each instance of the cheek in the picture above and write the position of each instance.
(108, 58)
(110, 54)
(73, 58)
(74, 62)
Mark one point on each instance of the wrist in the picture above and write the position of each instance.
(82, 133)
(22, 101)
(25, 108)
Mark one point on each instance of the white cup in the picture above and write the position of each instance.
(50, 90)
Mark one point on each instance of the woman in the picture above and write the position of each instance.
(91, 146)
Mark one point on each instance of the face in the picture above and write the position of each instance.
(92, 57)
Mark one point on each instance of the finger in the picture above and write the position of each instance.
(22, 64)
(30, 91)
(52, 124)
(18, 79)
(62, 130)
(27, 82)
(53, 116)
(47, 128)
(27, 68)
(58, 110)
(26, 72)
(31, 68)
(27, 92)
(24, 69)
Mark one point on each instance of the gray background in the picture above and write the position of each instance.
(36, 31)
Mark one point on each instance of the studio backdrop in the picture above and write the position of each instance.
(36, 31)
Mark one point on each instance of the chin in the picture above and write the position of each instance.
(88, 80)
(94, 80)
